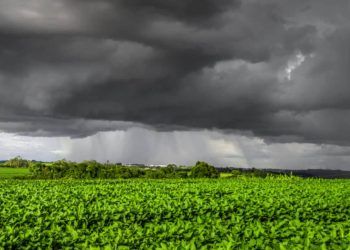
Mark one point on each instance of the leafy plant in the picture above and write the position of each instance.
(204, 170)
(238, 213)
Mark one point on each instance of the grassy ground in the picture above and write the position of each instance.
(12, 172)
(223, 175)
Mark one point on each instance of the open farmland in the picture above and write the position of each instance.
(13, 172)
(271, 213)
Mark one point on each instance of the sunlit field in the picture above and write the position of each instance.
(13, 172)
(241, 213)
(225, 175)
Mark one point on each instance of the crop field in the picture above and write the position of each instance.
(252, 213)
(225, 175)
(13, 172)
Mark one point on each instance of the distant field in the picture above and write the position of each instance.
(223, 175)
(12, 172)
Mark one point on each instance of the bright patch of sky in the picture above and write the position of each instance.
(293, 64)
(36, 148)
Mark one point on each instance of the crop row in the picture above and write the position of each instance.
(175, 214)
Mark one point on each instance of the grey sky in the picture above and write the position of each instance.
(273, 70)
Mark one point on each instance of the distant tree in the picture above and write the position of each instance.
(17, 162)
(93, 169)
(169, 171)
(258, 173)
(155, 174)
(236, 173)
(181, 174)
(204, 170)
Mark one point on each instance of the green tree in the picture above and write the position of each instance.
(204, 170)
(236, 173)
(17, 162)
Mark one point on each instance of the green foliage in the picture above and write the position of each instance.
(204, 170)
(13, 172)
(17, 162)
(253, 172)
(181, 174)
(236, 173)
(95, 170)
(84, 170)
(272, 213)
(258, 173)
(92, 170)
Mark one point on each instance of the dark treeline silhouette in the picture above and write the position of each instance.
(315, 173)
(304, 173)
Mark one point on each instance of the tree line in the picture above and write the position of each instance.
(93, 169)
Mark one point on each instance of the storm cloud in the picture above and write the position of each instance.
(277, 69)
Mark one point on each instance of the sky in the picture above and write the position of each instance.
(236, 83)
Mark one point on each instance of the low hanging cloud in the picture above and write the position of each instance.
(275, 69)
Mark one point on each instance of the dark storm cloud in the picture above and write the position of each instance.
(276, 68)
(189, 11)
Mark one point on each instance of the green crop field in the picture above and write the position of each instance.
(243, 213)
(13, 172)
(225, 175)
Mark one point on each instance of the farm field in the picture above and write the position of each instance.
(13, 172)
(225, 175)
(243, 213)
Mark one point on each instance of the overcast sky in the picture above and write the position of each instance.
(233, 82)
